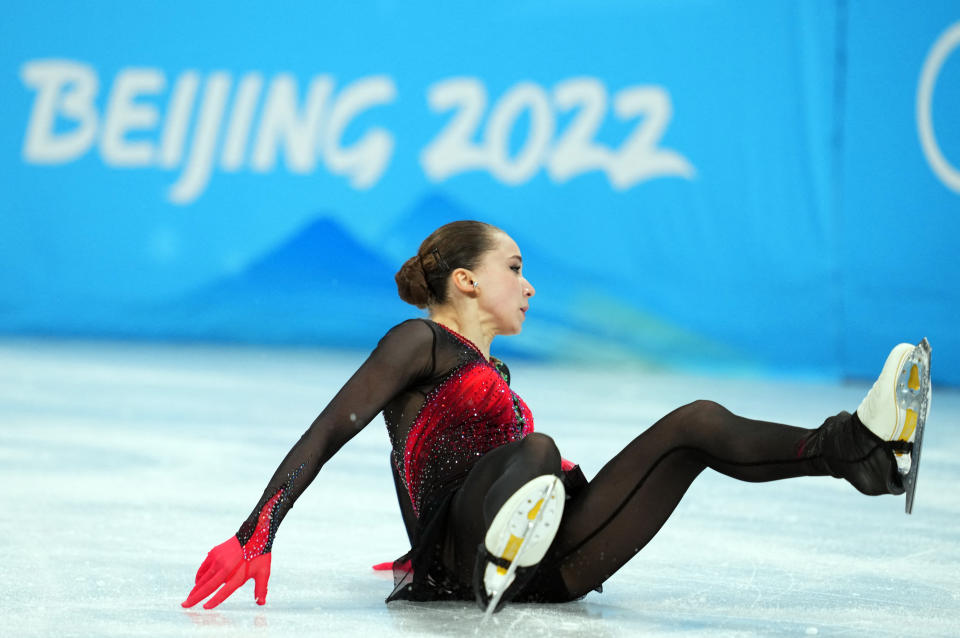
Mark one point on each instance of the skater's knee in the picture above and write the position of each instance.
(706, 409)
(541, 449)
(540, 444)
(698, 417)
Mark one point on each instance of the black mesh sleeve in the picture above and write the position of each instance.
(403, 355)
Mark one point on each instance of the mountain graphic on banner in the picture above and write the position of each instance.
(321, 287)
(320, 257)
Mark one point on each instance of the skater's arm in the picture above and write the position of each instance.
(402, 356)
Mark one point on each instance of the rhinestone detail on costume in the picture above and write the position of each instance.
(259, 540)
(470, 413)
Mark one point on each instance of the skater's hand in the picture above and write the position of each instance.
(225, 565)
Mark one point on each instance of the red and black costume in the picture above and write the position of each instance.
(445, 406)
(463, 441)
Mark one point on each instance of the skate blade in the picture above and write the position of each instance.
(913, 395)
(528, 547)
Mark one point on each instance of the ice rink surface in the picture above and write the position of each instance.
(124, 464)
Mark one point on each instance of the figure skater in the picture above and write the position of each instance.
(492, 510)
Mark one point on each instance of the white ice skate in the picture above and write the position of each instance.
(896, 408)
(517, 539)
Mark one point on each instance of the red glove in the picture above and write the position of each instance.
(231, 565)
(225, 565)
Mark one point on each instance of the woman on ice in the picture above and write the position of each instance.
(493, 512)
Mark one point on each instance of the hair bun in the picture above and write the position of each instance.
(424, 280)
(412, 283)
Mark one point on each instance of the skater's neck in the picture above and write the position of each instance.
(470, 328)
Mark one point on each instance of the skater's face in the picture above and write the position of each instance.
(503, 293)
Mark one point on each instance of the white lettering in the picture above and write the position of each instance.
(453, 150)
(197, 173)
(639, 158)
(365, 161)
(64, 124)
(281, 123)
(63, 88)
(178, 119)
(576, 152)
(124, 115)
(238, 130)
(523, 96)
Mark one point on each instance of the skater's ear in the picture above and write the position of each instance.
(463, 279)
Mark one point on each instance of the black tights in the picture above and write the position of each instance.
(630, 499)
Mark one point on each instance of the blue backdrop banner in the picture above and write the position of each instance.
(770, 186)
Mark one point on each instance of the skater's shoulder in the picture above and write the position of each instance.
(416, 331)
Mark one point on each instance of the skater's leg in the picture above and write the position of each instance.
(632, 496)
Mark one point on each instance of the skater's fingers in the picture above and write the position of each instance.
(199, 592)
(260, 592)
(260, 572)
(206, 587)
(233, 583)
(219, 565)
(206, 566)
(221, 596)
(195, 596)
